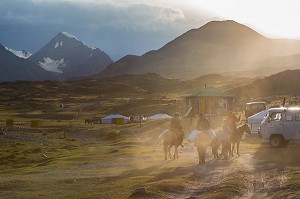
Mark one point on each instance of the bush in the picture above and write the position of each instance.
(113, 133)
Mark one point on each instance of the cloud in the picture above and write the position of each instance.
(117, 27)
(92, 14)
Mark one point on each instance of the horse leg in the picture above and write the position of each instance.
(217, 145)
(176, 152)
(214, 149)
(165, 150)
(238, 148)
(174, 155)
(201, 153)
(232, 149)
(169, 151)
(226, 149)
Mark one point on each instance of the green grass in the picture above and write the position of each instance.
(291, 189)
(91, 165)
(233, 186)
(106, 160)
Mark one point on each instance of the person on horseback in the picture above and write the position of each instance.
(231, 121)
(176, 127)
(202, 123)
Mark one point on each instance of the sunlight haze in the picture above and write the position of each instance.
(274, 18)
(149, 99)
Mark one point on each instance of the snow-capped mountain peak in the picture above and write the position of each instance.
(67, 56)
(69, 35)
(60, 37)
(20, 53)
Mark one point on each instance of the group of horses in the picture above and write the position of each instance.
(203, 141)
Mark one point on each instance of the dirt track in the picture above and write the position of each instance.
(261, 178)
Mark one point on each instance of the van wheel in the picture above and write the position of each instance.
(276, 141)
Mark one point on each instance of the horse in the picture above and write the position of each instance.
(237, 136)
(171, 139)
(93, 120)
(202, 142)
(88, 121)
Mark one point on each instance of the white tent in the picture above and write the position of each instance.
(255, 120)
(111, 118)
(159, 116)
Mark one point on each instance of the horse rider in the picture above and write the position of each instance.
(232, 120)
(176, 127)
(202, 123)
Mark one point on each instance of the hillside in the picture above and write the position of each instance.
(281, 84)
(217, 47)
(125, 94)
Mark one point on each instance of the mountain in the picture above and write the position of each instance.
(216, 47)
(13, 68)
(20, 53)
(279, 84)
(66, 56)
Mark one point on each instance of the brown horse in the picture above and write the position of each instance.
(237, 136)
(171, 139)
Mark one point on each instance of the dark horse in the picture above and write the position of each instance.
(202, 142)
(237, 136)
(171, 139)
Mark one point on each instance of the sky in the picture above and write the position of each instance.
(121, 27)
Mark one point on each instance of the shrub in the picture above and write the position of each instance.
(113, 133)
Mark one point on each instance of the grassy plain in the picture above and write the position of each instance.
(66, 158)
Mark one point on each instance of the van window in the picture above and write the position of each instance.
(297, 116)
(275, 117)
(288, 117)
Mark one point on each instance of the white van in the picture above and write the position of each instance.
(281, 126)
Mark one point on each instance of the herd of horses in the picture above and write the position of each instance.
(203, 141)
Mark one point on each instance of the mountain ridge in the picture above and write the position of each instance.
(216, 47)
(20, 53)
(14, 68)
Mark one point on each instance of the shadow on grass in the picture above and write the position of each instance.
(281, 157)
(162, 171)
